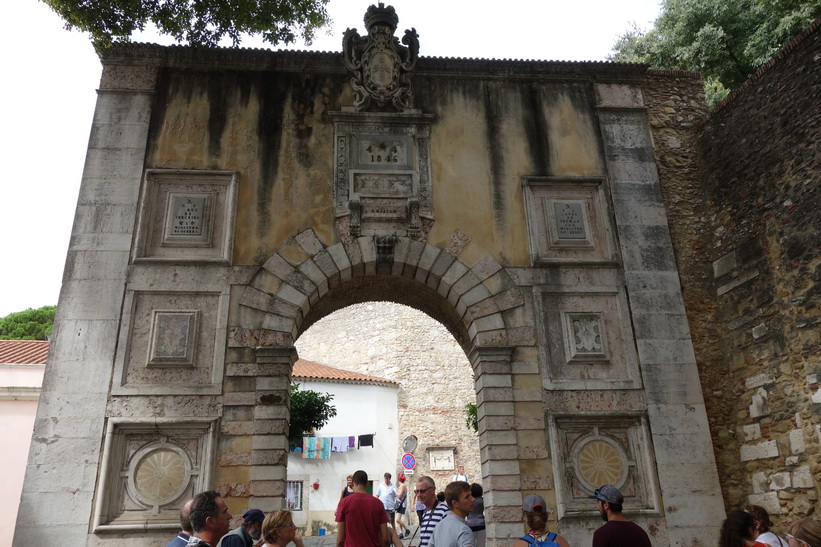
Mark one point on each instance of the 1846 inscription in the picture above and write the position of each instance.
(387, 152)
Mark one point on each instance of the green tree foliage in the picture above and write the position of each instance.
(725, 40)
(472, 417)
(28, 325)
(309, 411)
(195, 22)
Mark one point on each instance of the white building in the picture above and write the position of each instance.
(365, 405)
(22, 364)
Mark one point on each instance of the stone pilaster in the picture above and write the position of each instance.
(271, 416)
(675, 406)
(84, 340)
(493, 377)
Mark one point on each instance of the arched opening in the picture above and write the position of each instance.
(429, 383)
(477, 302)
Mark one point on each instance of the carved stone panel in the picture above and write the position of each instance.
(383, 184)
(381, 68)
(171, 342)
(568, 220)
(149, 468)
(186, 216)
(441, 458)
(586, 338)
(590, 451)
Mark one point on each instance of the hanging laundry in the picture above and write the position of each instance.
(365, 440)
(316, 448)
(325, 448)
(339, 444)
(352, 442)
(310, 448)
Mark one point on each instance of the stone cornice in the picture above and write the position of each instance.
(132, 54)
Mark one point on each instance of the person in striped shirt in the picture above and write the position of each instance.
(435, 511)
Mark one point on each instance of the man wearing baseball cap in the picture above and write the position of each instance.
(248, 533)
(618, 530)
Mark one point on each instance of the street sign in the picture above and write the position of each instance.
(408, 461)
(408, 471)
(409, 444)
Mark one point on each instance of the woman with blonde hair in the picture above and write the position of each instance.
(278, 530)
(804, 533)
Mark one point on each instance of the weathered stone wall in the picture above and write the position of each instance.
(436, 380)
(544, 251)
(747, 241)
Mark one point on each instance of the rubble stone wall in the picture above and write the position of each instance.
(747, 234)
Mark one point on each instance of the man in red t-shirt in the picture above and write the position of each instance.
(619, 530)
(361, 518)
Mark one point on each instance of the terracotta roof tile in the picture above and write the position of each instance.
(308, 369)
(23, 352)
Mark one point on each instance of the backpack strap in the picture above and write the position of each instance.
(551, 536)
(529, 539)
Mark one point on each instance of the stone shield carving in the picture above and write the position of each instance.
(380, 66)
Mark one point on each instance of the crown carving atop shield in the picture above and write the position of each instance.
(381, 68)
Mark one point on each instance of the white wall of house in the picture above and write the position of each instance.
(361, 409)
(19, 392)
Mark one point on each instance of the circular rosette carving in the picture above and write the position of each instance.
(598, 460)
(158, 474)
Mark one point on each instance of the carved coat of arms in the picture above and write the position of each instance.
(380, 66)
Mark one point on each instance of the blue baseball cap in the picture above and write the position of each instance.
(607, 493)
(253, 515)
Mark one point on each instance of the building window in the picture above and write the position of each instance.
(293, 495)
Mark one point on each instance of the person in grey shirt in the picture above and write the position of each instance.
(453, 531)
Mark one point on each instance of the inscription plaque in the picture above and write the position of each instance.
(569, 220)
(188, 219)
(382, 185)
(188, 211)
(384, 209)
(383, 152)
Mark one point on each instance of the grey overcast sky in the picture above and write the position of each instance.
(51, 74)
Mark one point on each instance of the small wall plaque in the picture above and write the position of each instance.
(173, 338)
(189, 214)
(570, 221)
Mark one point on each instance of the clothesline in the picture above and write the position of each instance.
(320, 448)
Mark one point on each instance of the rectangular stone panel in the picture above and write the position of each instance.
(568, 220)
(586, 338)
(186, 215)
(149, 468)
(172, 342)
(591, 450)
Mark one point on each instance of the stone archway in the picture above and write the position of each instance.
(286, 296)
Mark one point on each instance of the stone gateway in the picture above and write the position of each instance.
(232, 198)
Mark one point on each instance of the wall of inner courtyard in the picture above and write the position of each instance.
(435, 377)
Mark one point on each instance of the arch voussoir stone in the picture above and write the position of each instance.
(339, 255)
